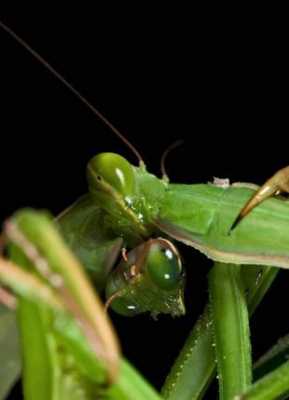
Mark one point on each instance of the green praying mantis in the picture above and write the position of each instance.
(124, 232)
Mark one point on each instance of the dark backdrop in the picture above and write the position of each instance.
(220, 88)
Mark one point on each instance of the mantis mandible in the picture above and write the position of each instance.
(143, 216)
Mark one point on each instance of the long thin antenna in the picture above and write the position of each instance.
(53, 71)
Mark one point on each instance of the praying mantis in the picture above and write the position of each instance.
(144, 214)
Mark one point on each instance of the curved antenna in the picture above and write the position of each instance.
(57, 75)
(174, 145)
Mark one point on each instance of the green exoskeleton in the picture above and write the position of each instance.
(125, 232)
(124, 200)
(133, 206)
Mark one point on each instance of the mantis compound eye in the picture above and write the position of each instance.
(149, 279)
(113, 170)
(164, 266)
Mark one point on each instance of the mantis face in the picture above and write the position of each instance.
(150, 278)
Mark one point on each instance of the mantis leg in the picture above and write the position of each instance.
(194, 368)
(61, 321)
(278, 183)
(231, 334)
(9, 350)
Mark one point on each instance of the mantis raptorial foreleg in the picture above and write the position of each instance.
(7, 299)
(65, 334)
(35, 235)
(278, 183)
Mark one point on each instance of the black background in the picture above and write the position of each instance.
(222, 87)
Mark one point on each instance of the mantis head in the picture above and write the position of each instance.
(150, 278)
(112, 184)
(129, 195)
(111, 173)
